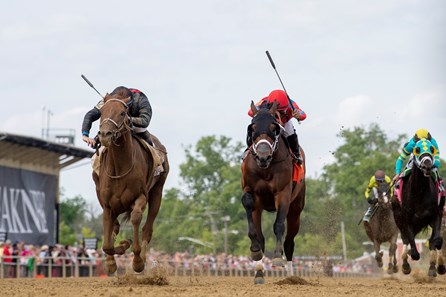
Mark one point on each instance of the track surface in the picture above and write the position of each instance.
(417, 284)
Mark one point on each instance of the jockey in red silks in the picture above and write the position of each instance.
(285, 113)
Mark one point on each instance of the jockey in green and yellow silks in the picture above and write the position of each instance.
(407, 151)
(409, 146)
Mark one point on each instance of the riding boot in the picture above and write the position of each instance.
(294, 146)
(369, 213)
(146, 136)
(439, 182)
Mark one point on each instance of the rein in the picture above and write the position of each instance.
(128, 171)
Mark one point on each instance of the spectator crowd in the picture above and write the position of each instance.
(18, 259)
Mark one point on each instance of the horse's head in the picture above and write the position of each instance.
(114, 119)
(265, 132)
(384, 195)
(423, 153)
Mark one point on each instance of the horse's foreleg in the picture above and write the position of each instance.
(256, 249)
(441, 268)
(414, 254)
(435, 243)
(135, 218)
(378, 253)
(393, 265)
(147, 230)
(259, 277)
(108, 220)
(404, 257)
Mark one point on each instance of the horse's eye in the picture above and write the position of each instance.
(123, 113)
(432, 149)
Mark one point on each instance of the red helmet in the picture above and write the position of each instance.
(281, 97)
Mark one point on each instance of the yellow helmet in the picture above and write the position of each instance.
(422, 133)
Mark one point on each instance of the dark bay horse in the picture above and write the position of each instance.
(382, 228)
(419, 208)
(126, 182)
(267, 184)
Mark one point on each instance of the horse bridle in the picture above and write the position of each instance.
(420, 163)
(120, 128)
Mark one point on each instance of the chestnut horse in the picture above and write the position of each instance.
(127, 183)
(382, 228)
(267, 184)
(419, 208)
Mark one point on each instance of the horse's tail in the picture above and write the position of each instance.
(126, 217)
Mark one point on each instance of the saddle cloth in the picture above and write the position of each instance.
(298, 172)
(158, 158)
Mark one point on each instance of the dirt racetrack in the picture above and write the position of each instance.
(416, 284)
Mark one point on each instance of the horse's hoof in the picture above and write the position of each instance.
(257, 255)
(259, 281)
(415, 255)
(110, 267)
(432, 272)
(390, 269)
(278, 262)
(126, 243)
(406, 268)
(379, 263)
(441, 269)
(395, 268)
(258, 278)
(138, 267)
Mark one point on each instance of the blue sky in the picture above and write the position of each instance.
(347, 63)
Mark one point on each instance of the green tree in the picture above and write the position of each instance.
(363, 152)
(211, 191)
(72, 217)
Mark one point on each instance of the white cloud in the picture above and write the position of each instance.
(354, 110)
(347, 63)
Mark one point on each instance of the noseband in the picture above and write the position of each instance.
(425, 163)
(272, 146)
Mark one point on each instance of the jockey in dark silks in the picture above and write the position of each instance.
(140, 113)
(286, 113)
(407, 151)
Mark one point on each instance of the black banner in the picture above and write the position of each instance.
(27, 205)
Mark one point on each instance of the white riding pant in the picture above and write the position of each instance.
(288, 129)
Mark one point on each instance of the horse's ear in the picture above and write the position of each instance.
(273, 108)
(253, 108)
(126, 100)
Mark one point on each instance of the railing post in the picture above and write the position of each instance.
(2, 267)
(64, 268)
(76, 268)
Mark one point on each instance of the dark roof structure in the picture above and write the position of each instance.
(38, 154)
